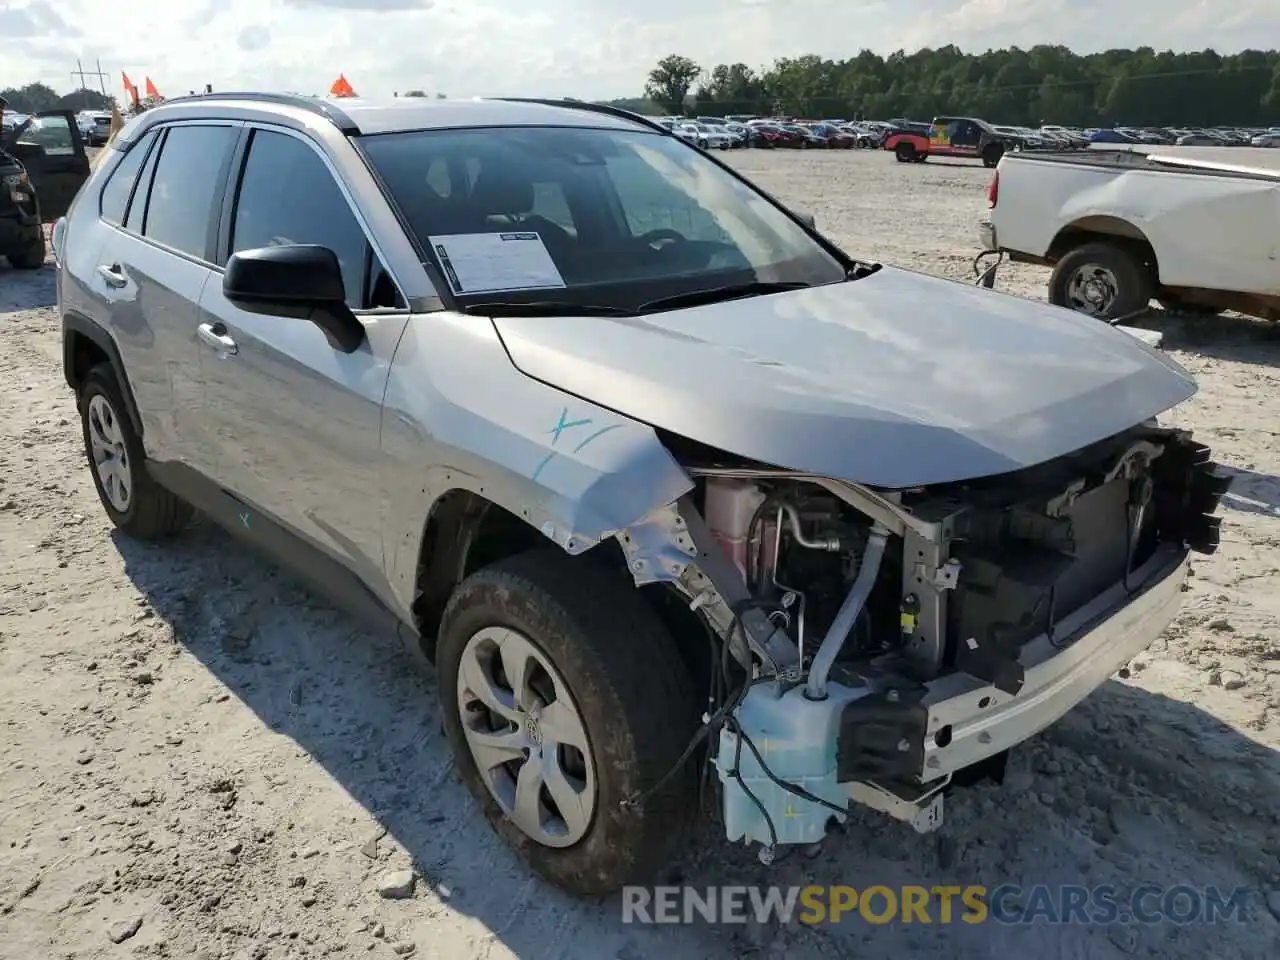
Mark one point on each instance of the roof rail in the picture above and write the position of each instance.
(323, 108)
(603, 108)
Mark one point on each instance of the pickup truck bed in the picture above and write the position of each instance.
(1187, 227)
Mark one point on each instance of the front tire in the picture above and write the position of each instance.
(135, 503)
(563, 696)
(991, 155)
(1103, 280)
(905, 152)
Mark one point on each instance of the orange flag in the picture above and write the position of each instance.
(341, 88)
(152, 92)
(130, 88)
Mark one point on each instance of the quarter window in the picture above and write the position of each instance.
(187, 179)
(287, 195)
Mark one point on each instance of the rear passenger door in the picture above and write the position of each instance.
(163, 200)
(298, 421)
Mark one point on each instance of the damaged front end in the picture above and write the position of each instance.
(879, 646)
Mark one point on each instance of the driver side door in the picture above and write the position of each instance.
(295, 421)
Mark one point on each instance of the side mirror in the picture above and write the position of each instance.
(805, 217)
(300, 280)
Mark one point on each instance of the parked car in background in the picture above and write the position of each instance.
(94, 126)
(1266, 140)
(1121, 227)
(707, 136)
(836, 137)
(743, 136)
(1197, 140)
(952, 137)
(771, 135)
(808, 136)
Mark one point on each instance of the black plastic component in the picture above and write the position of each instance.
(302, 281)
(1002, 603)
(323, 108)
(873, 731)
(1189, 488)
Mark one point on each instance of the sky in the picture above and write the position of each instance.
(586, 48)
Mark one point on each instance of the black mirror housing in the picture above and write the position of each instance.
(299, 274)
(299, 280)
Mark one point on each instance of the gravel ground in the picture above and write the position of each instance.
(200, 759)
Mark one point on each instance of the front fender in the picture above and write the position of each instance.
(458, 415)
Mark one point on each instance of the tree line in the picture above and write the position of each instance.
(35, 97)
(1045, 84)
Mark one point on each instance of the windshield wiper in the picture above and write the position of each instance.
(546, 308)
(734, 291)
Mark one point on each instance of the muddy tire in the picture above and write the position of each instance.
(29, 257)
(991, 155)
(612, 708)
(136, 504)
(905, 152)
(1103, 280)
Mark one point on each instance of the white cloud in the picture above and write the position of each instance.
(589, 48)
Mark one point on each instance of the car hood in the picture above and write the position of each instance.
(895, 380)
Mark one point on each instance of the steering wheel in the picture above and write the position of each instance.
(662, 233)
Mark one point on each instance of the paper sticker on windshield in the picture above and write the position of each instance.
(492, 262)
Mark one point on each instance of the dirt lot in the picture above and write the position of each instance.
(199, 753)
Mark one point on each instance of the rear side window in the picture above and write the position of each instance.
(119, 186)
(287, 195)
(188, 176)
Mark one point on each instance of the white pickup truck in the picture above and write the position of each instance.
(1121, 227)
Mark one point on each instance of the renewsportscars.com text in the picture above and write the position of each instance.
(969, 904)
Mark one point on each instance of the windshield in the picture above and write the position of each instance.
(591, 216)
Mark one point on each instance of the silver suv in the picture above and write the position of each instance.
(673, 492)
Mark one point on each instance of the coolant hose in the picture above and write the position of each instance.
(854, 601)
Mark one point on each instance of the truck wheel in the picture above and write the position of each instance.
(991, 155)
(1103, 280)
(905, 152)
(29, 257)
(135, 503)
(563, 696)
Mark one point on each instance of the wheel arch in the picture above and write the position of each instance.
(1096, 228)
(465, 531)
(85, 344)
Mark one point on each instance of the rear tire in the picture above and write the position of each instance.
(609, 658)
(905, 152)
(29, 257)
(1104, 280)
(135, 503)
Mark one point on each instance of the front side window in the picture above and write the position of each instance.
(188, 176)
(625, 216)
(287, 195)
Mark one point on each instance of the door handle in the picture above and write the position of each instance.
(113, 275)
(212, 335)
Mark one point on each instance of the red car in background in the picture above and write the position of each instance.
(772, 135)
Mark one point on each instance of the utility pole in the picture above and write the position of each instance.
(79, 73)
